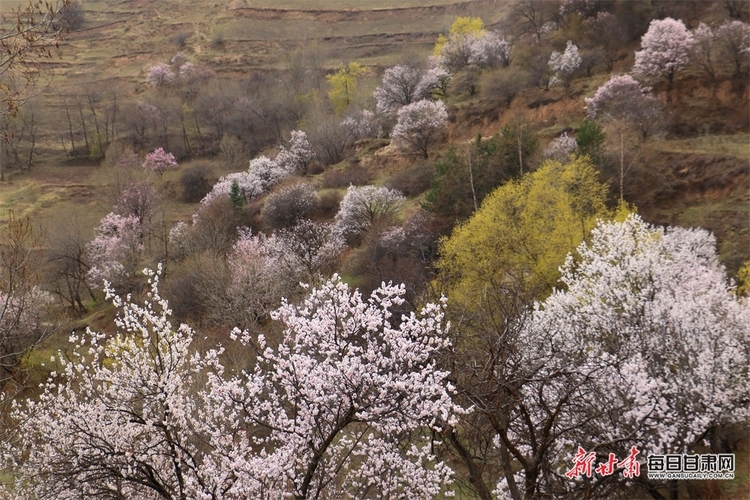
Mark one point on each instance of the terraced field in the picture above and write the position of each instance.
(119, 39)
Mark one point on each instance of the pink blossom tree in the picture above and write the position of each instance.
(159, 161)
(160, 75)
(420, 125)
(665, 49)
(261, 274)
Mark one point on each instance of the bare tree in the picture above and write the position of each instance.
(66, 262)
(27, 35)
(30, 119)
(533, 15)
(24, 321)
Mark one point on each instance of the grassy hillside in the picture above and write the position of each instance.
(98, 107)
(240, 36)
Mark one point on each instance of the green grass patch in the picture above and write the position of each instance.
(21, 197)
(733, 145)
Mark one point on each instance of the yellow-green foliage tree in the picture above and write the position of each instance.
(467, 25)
(492, 268)
(344, 85)
(743, 280)
(522, 233)
(461, 26)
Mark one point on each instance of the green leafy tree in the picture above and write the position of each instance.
(235, 195)
(464, 176)
(518, 144)
(590, 140)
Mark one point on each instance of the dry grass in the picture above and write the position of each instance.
(737, 145)
(337, 5)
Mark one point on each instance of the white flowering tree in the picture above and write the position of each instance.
(160, 75)
(704, 49)
(25, 319)
(339, 399)
(490, 49)
(122, 419)
(115, 251)
(342, 407)
(646, 345)
(365, 208)
(565, 64)
(561, 148)
(665, 49)
(630, 113)
(482, 48)
(420, 125)
(263, 174)
(401, 86)
(297, 156)
(315, 248)
(624, 99)
(359, 125)
(628, 354)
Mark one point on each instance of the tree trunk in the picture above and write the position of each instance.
(475, 475)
